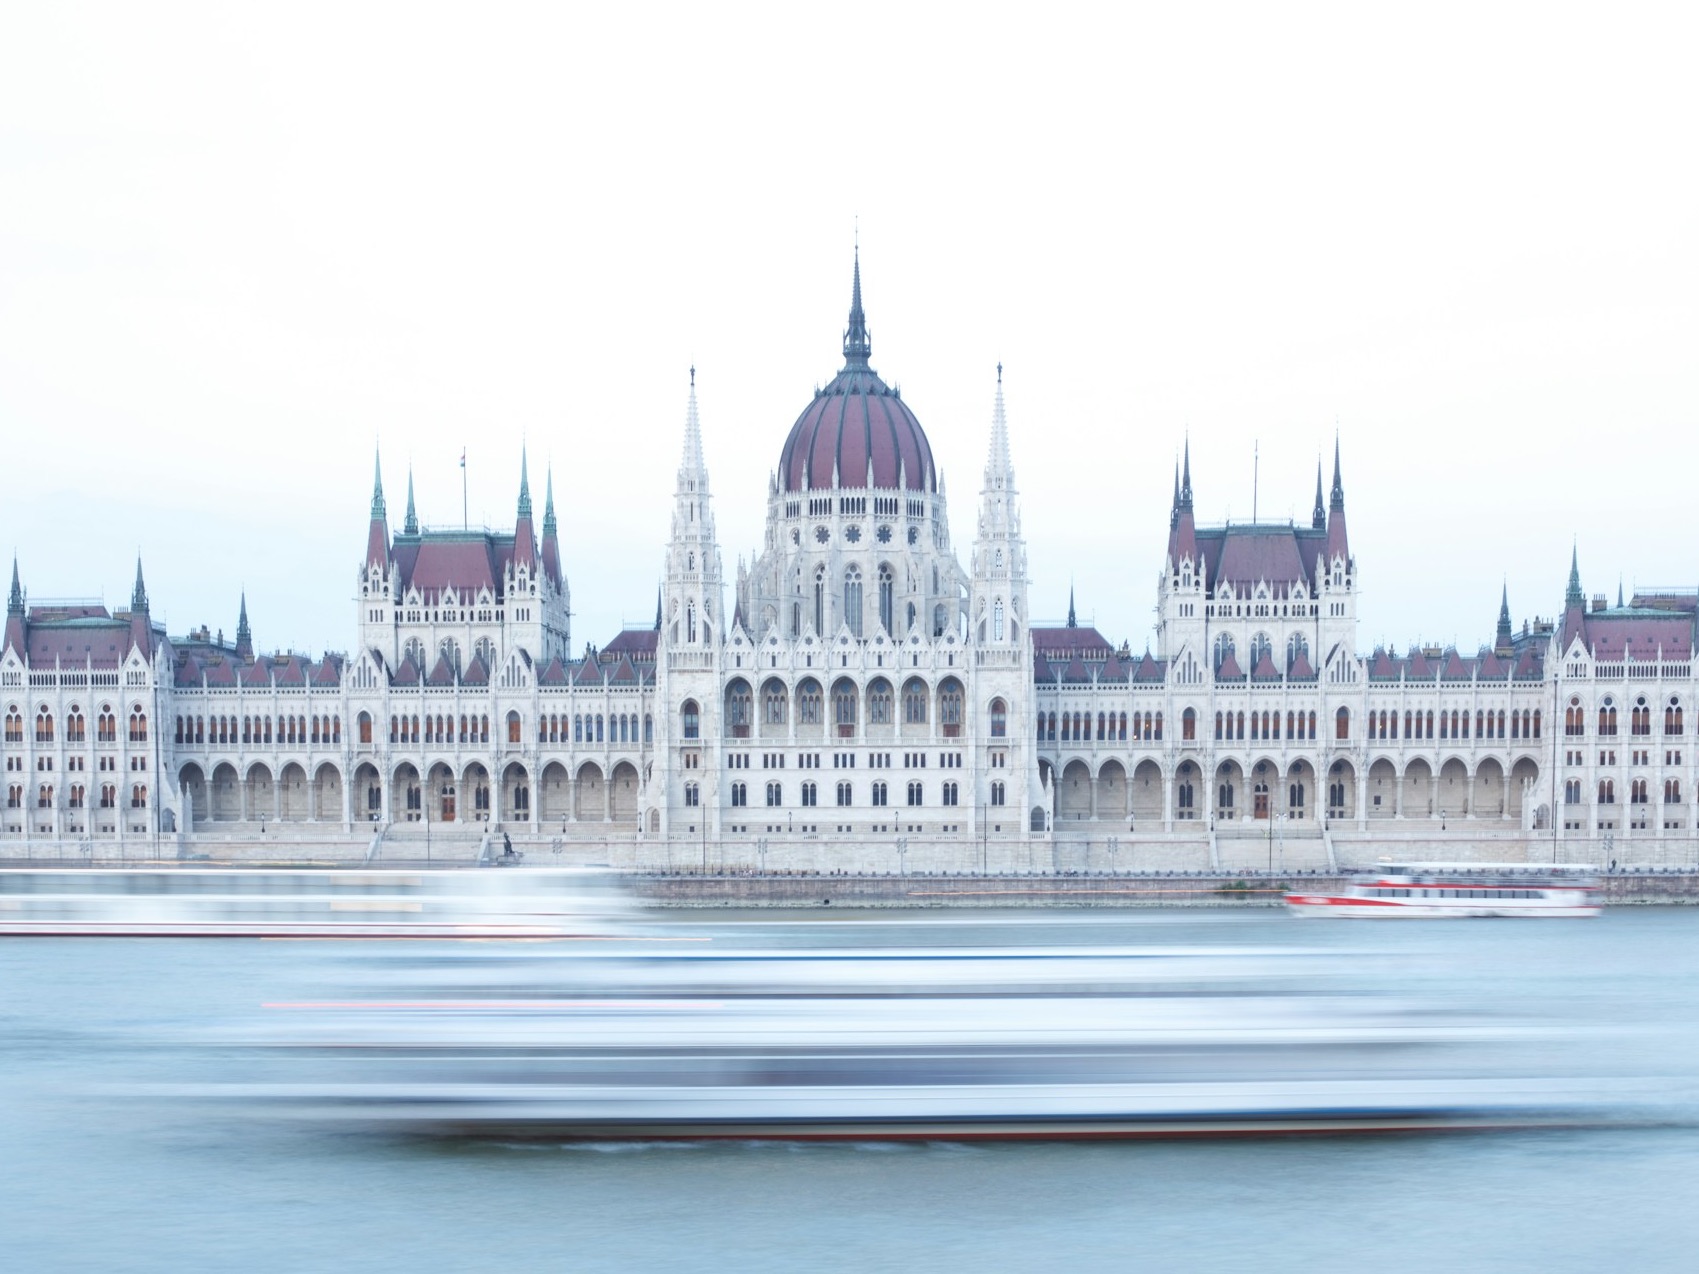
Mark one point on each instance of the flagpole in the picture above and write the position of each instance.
(465, 518)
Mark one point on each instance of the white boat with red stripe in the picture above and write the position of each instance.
(1445, 890)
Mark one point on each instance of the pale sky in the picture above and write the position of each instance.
(240, 246)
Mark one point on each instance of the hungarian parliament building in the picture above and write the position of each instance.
(873, 698)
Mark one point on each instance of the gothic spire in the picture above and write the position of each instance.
(1573, 596)
(692, 461)
(1619, 604)
(377, 487)
(999, 467)
(15, 603)
(1318, 518)
(411, 525)
(524, 486)
(549, 501)
(138, 595)
(1072, 621)
(1186, 479)
(858, 346)
(1336, 499)
(657, 608)
(1503, 641)
(244, 634)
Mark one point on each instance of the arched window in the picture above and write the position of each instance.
(999, 719)
(1261, 648)
(773, 701)
(692, 720)
(852, 600)
(1342, 724)
(997, 620)
(43, 725)
(808, 702)
(1188, 725)
(739, 709)
(1223, 649)
(914, 702)
(879, 702)
(844, 707)
(887, 587)
(950, 708)
(820, 601)
(1297, 647)
(514, 726)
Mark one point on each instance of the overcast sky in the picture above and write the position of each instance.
(240, 246)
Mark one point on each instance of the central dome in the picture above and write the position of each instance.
(858, 432)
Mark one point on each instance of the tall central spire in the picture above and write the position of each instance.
(858, 346)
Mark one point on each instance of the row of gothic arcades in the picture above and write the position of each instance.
(910, 708)
(437, 792)
(1146, 794)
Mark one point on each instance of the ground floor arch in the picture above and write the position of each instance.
(1229, 791)
(554, 793)
(191, 782)
(1189, 797)
(1417, 795)
(515, 794)
(1524, 780)
(1073, 794)
(326, 793)
(368, 794)
(406, 794)
(477, 793)
(1383, 789)
(1487, 799)
(590, 793)
(1341, 790)
(1299, 799)
(1147, 795)
(226, 795)
(622, 794)
(260, 792)
(293, 799)
(442, 795)
(1451, 793)
(1112, 791)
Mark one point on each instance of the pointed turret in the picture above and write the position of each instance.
(244, 634)
(15, 639)
(1619, 602)
(1338, 542)
(1182, 525)
(999, 466)
(1318, 516)
(138, 594)
(1574, 603)
(1073, 622)
(551, 538)
(692, 584)
(377, 535)
(141, 627)
(1502, 641)
(524, 534)
(657, 608)
(411, 525)
(1174, 504)
(858, 345)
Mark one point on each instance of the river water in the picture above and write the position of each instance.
(88, 1182)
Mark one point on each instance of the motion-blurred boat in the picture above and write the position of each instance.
(303, 903)
(1437, 890)
(912, 1044)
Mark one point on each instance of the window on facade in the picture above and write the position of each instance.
(843, 794)
(999, 719)
(692, 720)
(740, 794)
(808, 703)
(950, 708)
(1189, 725)
(881, 794)
(775, 794)
(879, 702)
(915, 793)
(844, 708)
(852, 600)
(914, 702)
(810, 794)
(44, 726)
(887, 586)
(692, 795)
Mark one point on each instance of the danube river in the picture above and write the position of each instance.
(89, 1181)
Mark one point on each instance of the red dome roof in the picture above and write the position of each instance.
(855, 424)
